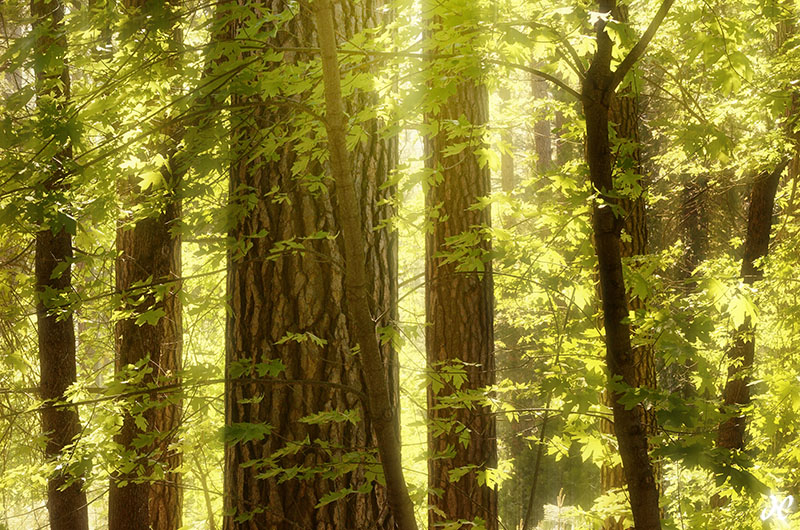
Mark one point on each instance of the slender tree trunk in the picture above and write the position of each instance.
(66, 501)
(542, 137)
(624, 114)
(148, 271)
(383, 411)
(459, 307)
(740, 355)
(631, 430)
(276, 294)
(693, 226)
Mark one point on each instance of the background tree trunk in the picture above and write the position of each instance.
(149, 255)
(742, 352)
(149, 252)
(274, 294)
(66, 501)
(507, 170)
(459, 307)
(542, 133)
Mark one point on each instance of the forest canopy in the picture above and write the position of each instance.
(392, 264)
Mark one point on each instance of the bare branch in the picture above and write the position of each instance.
(556, 81)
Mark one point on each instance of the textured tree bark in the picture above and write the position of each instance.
(67, 507)
(631, 431)
(149, 255)
(624, 114)
(742, 352)
(273, 293)
(66, 501)
(459, 305)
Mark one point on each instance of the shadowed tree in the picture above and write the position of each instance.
(145, 491)
(742, 352)
(624, 114)
(66, 501)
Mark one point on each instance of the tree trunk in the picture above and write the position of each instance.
(149, 254)
(624, 114)
(740, 355)
(630, 429)
(459, 307)
(542, 138)
(507, 177)
(148, 271)
(693, 226)
(66, 501)
(383, 412)
(282, 300)
(756, 246)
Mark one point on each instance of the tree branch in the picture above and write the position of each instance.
(640, 47)
(538, 73)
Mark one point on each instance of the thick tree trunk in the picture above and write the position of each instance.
(742, 352)
(66, 501)
(276, 293)
(459, 307)
(630, 429)
(149, 254)
(147, 272)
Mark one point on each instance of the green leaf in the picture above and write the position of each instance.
(59, 269)
(334, 496)
(246, 432)
(270, 368)
(740, 309)
(150, 317)
(150, 179)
